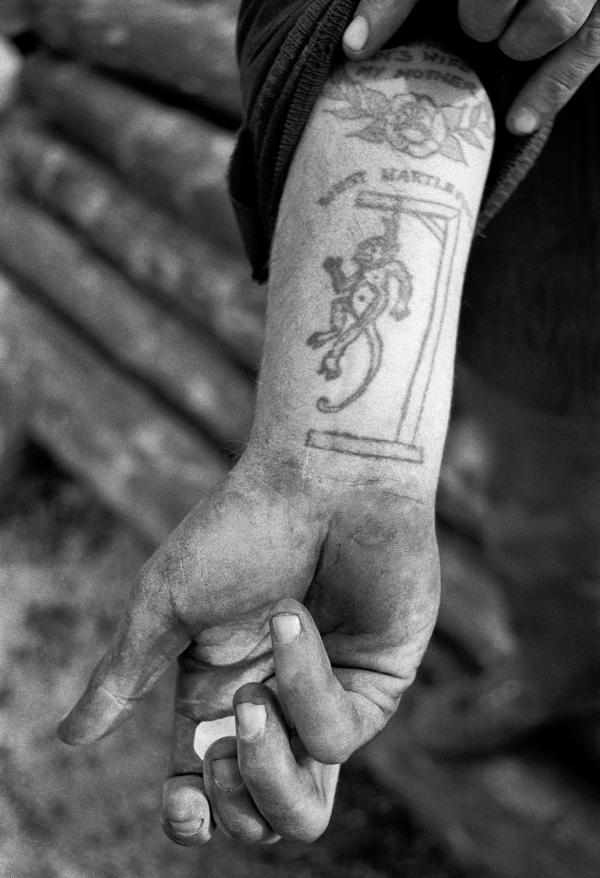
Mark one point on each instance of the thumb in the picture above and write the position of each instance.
(148, 640)
(374, 23)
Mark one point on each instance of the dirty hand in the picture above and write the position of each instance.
(360, 556)
(565, 33)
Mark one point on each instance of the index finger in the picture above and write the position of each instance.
(542, 26)
(375, 22)
(556, 80)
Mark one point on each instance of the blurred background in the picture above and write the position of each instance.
(130, 335)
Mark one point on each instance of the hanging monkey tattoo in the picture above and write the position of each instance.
(361, 298)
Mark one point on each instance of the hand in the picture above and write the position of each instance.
(361, 557)
(265, 784)
(566, 33)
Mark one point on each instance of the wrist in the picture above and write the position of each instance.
(332, 478)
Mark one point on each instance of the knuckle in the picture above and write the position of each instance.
(247, 833)
(308, 826)
(332, 749)
(380, 7)
(540, 33)
(560, 23)
(589, 37)
(560, 88)
(476, 26)
(256, 773)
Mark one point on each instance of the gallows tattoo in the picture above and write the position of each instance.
(380, 286)
(362, 298)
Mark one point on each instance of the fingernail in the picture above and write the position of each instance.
(357, 34)
(286, 627)
(252, 719)
(524, 121)
(186, 827)
(226, 773)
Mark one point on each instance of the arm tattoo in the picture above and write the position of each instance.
(410, 123)
(362, 297)
(378, 287)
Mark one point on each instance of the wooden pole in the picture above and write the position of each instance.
(142, 460)
(11, 62)
(15, 16)
(511, 815)
(175, 157)
(187, 367)
(187, 46)
(154, 250)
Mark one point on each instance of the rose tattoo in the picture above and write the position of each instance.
(411, 123)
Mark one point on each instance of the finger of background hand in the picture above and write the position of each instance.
(557, 79)
(542, 26)
(331, 722)
(485, 20)
(374, 23)
(232, 805)
(186, 814)
(147, 641)
(295, 797)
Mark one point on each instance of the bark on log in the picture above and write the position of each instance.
(12, 440)
(188, 368)
(513, 815)
(473, 609)
(15, 16)
(144, 463)
(11, 62)
(190, 47)
(154, 250)
(173, 156)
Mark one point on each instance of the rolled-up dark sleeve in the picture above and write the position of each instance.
(286, 50)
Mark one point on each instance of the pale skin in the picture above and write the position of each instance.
(306, 588)
(565, 34)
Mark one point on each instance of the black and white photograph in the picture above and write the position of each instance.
(300, 438)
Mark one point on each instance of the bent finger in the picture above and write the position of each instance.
(186, 814)
(375, 22)
(292, 791)
(557, 79)
(147, 642)
(331, 722)
(485, 21)
(232, 805)
(540, 27)
(186, 817)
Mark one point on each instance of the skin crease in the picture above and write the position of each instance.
(564, 33)
(340, 545)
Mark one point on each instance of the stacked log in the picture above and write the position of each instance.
(511, 815)
(175, 157)
(184, 45)
(141, 459)
(473, 611)
(154, 251)
(187, 367)
(10, 69)
(16, 16)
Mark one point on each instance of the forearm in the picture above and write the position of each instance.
(367, 270)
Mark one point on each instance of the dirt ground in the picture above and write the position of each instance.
(65, 565)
